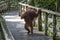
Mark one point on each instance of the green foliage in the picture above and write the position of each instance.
(49, 33)
(13, 3)
(58, 20)
(47, 4)
(43, 20)
(57, 38)
(50, 24)
(31, 2)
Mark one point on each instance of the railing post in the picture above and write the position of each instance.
(20, 12)
(46, 22)
(54, 27)
(40, 22)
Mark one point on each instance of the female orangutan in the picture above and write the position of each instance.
(28, 17)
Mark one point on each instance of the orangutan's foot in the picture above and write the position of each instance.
(28, 32)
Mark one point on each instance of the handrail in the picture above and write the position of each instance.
(44, 10)
(7, 33)
(23, 7)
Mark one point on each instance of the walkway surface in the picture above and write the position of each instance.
(16, 27)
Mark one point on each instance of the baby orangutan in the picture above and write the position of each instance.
(28, 17)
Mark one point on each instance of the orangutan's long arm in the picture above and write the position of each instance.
(38, 12)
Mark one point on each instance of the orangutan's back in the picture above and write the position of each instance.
(29, 15)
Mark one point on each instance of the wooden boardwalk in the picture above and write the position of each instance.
(16, 27)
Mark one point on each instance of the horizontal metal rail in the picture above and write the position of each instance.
(43, 10)
(7, 34)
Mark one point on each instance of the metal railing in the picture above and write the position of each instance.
(7, 34)
(23, 7)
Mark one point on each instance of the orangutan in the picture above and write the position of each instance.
(28, 17)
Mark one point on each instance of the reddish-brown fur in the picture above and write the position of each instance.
(29, 16)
